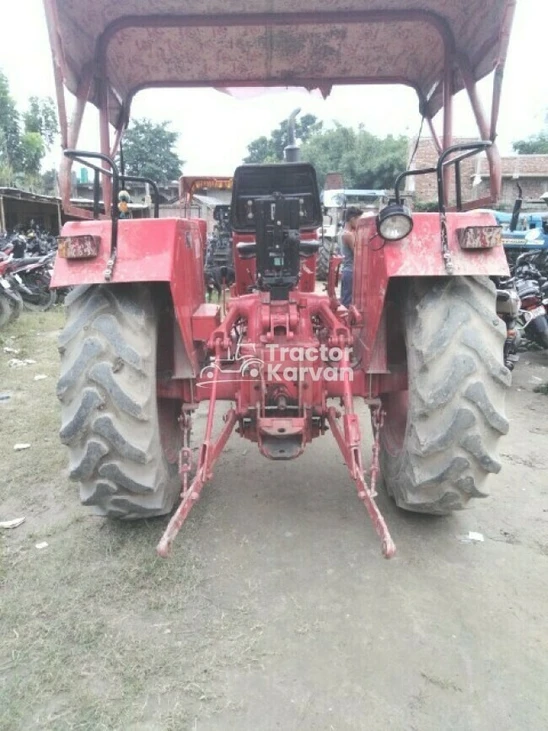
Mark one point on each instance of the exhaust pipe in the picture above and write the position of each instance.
(291, 152)
(517, 209)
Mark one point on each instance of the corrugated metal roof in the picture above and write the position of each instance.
(25, 195)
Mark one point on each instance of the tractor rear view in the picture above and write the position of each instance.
(421, 342)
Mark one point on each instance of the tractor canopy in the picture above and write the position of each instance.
(104, 52)
(132, 45)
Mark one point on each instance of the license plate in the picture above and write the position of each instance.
(78, 247)
(479, 237)
(5, 284)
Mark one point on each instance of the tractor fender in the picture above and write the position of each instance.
(169, 250)
(377, 262)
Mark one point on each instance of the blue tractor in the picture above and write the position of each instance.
(523, 231)
(531, 232)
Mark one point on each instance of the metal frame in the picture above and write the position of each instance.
(469, 149)
(114, 178)
(453, 62)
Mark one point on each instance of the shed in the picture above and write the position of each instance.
(20, 207)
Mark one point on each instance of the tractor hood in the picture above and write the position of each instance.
(119, 48)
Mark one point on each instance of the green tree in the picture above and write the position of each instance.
(9, 125)
(261, 150)
(364, 160)
(271, 149)
(41, 118)
(31, 153)
(535, 145)
(149, 151)
(25, 139)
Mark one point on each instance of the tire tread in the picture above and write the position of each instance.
(457, 385)
(107, 390)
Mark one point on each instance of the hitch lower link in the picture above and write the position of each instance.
(209, 454)
(348, 439)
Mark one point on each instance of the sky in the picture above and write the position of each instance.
(215, 129)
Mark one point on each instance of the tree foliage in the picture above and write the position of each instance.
(41, 118)
(31, 151)
(149, 151)
(535, 145)
(364, 160)
(9, 125)
(271, 149)
(24, 139)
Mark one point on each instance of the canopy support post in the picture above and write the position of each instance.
(435, 138)
(116, 143)
(61, 105)
(78, 115)
(59, 62)
(70, 140)
(447, 113)
(501, 62)
(493, 154)
(105, 143)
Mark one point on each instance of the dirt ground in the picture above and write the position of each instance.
(276, 610)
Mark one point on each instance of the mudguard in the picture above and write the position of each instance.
(166, 250)
(376, 262)
(149, 250)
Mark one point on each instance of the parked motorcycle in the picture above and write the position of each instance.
(31, 278)
(532, 288)
(11, 302)
(508, 309)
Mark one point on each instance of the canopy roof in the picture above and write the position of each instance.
(311, 43)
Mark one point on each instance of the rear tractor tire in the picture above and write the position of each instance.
(116, 429)
(324, 256)
(439, 440)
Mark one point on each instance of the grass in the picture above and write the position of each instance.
(95, 631)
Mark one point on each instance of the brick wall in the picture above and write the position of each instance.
(531, 171)
(532, 188)
(426, 189)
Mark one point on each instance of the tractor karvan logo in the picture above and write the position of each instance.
(282, 363)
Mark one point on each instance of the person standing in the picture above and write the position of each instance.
(348, 244)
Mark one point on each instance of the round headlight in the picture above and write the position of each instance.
(394, 222)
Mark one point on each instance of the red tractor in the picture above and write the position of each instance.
(421, 342)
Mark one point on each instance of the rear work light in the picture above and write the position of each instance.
(480, 237)
(78, 247)
(394, 222)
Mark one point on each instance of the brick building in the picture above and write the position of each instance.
(530, 171)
